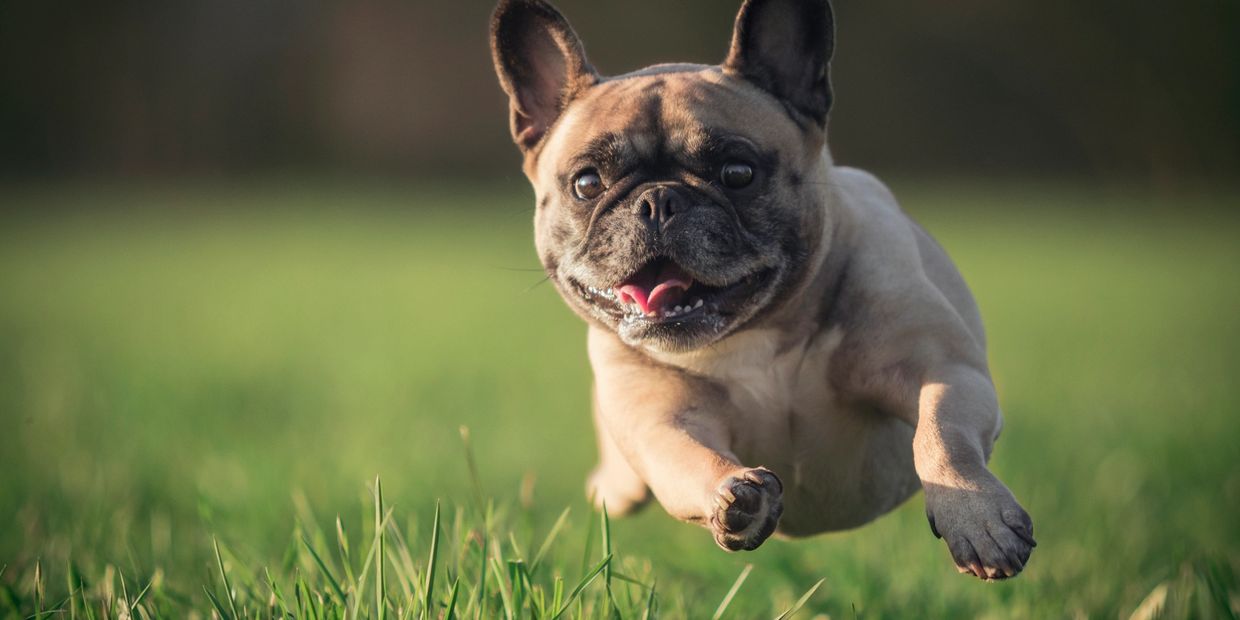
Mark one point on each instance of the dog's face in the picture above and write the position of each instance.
(678, 203)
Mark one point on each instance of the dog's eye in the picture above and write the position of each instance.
(736, 175)
(588, 185)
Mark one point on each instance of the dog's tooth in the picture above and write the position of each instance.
(698, 304)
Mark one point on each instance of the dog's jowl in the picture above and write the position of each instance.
(776, 346)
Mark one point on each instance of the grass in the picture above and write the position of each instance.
(201, 386)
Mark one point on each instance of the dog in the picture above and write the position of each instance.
(776, 346)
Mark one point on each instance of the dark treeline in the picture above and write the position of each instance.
(1146, 90)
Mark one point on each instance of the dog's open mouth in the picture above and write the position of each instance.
(662, 291)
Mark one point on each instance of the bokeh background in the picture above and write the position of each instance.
(1141, 91)
(254, 254)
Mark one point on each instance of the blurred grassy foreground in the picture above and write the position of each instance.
(180, 363)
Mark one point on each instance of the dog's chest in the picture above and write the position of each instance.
(767, 380)
(841, 466)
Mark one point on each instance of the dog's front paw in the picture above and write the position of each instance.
(988, 533)
(746, 509)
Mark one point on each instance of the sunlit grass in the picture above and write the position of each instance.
(186, 366)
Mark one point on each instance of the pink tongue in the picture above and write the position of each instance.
(668, 287)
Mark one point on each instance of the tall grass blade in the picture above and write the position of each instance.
(38, 587)
(609, 598)
(408, 575)
(370, 556)
(277, 594)
(451, 608)
(482, 564)
(516, 578)
(587, 551)
(86, 608)
(557, 596)
(327, 573)
(791, 611)
(504, 593)
(215, 602)
(138, 599)
(581, 585)
(342, 543)
(228, 590)
(431, 565)
(381, 556)
(69, 582)
(551, 535)
(648, 613)
(727, 599)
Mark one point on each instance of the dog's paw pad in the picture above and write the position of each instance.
(989, 535)
(746, 509)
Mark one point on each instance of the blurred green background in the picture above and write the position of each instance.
(1141, 90)
(253, 255)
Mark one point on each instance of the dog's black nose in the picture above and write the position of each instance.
(658, 205)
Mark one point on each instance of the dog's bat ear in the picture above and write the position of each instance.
(785, 47)
(541, 65)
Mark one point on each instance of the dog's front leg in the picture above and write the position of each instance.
(988, 533)
(673, 430)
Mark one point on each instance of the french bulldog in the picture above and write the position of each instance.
(776, 346)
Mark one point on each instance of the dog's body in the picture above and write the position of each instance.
(822, 333)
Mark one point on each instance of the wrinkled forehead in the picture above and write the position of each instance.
(679, 110)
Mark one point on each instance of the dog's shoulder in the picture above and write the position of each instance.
(901, 304)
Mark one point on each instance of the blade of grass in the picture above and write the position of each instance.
(215, 602)
(650, 602)
(138, 599)
(482, 564)
(608, 597)
(581, 585)
(38, 586)
(408, 576)
(277, 594)
(331, 579)
(299, 590)
(504, 594)
(557, 597)
(451, 609)
(546, 546)
(587, 551)
(791, 611)
(86, 608)
(219, 561)
(342, 542)
(515, 578)
(370, 556)
(68, 582)
(627, 579)
(381, 559)
(727, 599)
(124, 600)
(431, 564)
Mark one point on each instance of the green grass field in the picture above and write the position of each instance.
(180, 365)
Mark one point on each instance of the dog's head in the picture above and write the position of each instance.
(678, 203)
